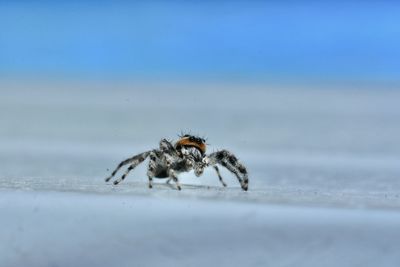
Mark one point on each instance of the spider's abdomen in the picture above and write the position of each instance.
(161, 173)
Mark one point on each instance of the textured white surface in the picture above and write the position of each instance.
(324, 177)
(64, 229)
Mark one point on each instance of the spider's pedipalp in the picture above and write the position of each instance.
(134, 161)
(229, 161)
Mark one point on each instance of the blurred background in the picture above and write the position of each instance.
(262, 41)
(305, 93)
(290, 86)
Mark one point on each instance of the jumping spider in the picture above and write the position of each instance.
(188, 153)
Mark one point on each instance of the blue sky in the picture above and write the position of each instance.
(224, 39)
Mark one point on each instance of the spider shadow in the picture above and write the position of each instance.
(185, 186)
(159, 185)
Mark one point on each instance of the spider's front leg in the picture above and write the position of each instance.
(229, 161)
(219, 175)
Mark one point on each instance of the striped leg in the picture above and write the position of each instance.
(134, 161)
(150, 181)
(151, 168)
(219, 175)
(124, 175)
(174, 177)
(229, 161)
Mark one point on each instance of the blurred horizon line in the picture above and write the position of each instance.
(183, 83)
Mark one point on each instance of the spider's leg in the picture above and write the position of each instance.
(124, 175)
(150, 181)
(229, 161)
(167, 147)
(174, 177)
(219, 175)
(134, 162)
(168, 181)
(127, 161)
(152, 167)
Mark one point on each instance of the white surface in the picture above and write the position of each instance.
(324, 177)
(63, 229)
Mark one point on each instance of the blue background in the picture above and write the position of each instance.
(226, 40)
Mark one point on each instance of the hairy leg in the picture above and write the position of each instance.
(174, 177)
(134, 161)
(152, 167)
(167, 147)
(150, 181)
(124, 175)
(219, 175)
(229, 161)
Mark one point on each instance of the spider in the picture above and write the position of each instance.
(188, 153)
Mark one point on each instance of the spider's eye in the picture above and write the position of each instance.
(191, 138)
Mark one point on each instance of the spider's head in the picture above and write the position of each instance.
(200, 166)
(193, 149)
(191, 141)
